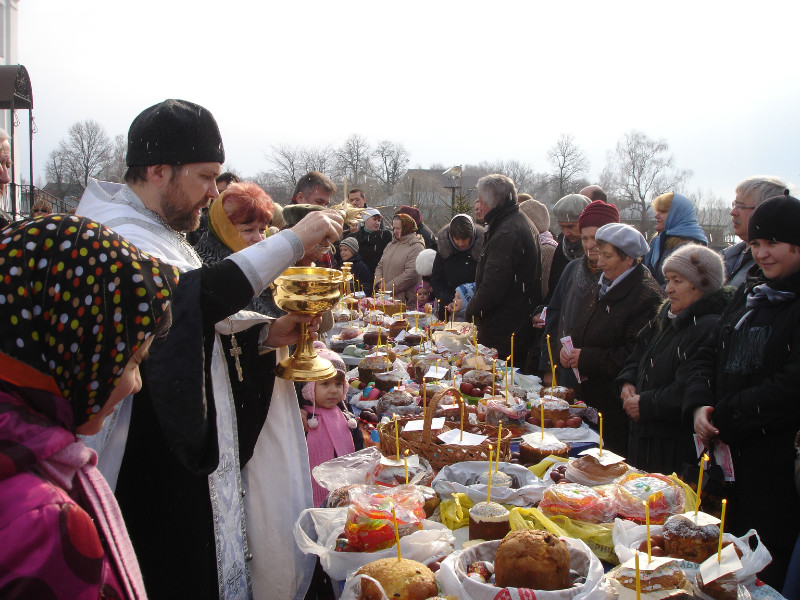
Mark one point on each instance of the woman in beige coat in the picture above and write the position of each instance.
(397, 267)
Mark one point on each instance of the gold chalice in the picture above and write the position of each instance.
(307, 291)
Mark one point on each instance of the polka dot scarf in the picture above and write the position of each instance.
(76, 302)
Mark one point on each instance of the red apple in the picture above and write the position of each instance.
(574, 422)
(548, 423)
(467, 388)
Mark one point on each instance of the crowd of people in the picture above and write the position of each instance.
(190, 486)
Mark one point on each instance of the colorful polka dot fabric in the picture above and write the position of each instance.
(76, 302)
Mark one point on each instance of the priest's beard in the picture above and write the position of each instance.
(179, 211)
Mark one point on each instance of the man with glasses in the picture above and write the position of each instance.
(749, 193)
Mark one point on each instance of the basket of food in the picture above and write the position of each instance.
(427, 444)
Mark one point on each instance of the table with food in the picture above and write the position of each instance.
(477, 483)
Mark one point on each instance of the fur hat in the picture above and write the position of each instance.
(536, 212)
(701, 266)
(408, 223)
(569, 208)
(425, 262)
(411, 212)
(622, 236)
(174, 132)
(776, 219)
(598, 213)
(351, 243)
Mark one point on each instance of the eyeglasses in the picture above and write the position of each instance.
(39, 210)
(740, 206)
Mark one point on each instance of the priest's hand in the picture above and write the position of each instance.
(286, 330)
(319, 228)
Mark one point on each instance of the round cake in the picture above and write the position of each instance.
(401, 579)
(398, 326)
(684, 539)
(370, 365)
(386, 381)
(499, 479)
(560, 391)
(534, 451)
(477, 377)
(577, 501)
(390, 402)
(533, 559)
(664, 496)
(663, 578)
(588, 471)
(488, 521)
(412, 339)
(390, 476)
(371, 337)
(421, 364)
(555, 409)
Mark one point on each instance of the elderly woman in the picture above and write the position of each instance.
(654, 376)
(397, 269)
(459, 246)
(80, 309)
(611, 313)
(676, 225)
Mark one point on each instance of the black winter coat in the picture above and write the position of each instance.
(508, 282)
(605, 332)
(560, 262)
(659, 368)
(371, 245)
(428, 236)
(453, 267)
(750, 377)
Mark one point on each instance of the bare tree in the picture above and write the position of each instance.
(86, 151)
(569, 163)
(713, 215)
(353, 159)
(321, 159)
(390, 162)
(116, 167)
(638, 170)
(56, 170)
(287, 161)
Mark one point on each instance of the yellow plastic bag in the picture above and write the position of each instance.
(691, 495)
(597, 537)
(454, 512)
(540, 469)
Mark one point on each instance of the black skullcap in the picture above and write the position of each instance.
(174, 132)
(776, 219)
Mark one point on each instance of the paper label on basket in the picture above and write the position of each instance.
(453, 436)
(436, 373)
(418, 425)
(702, 519)
(413, 461)
(644, 565)
(535, 439)
(608, 458)
(713, 569)
(400, 336)
(567, 343)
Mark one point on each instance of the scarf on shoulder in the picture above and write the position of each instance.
(763, 295)
(572, 250)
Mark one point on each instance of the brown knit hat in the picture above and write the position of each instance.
(700, 265)
(597, 214)
(536, 212)
(408, 223)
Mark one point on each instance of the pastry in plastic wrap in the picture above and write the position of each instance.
(341, 496)
(512, 414)
(369, 525)
(588, 471)
(488, 521)
(421, 364)
(684, 539)
(661, 579)
(396, 402)
(577, 502)
(532, 559)
(401, 579)
(390, 476)
(664, 496)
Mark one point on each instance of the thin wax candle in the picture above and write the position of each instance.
(703, 462)
(721, 528)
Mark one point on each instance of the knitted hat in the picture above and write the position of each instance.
(411, 212)
(538, 213)
(370, 212)
(776, 219)
(467, 291)
(597, 214)
(425, 262)
(622, 236)
(408, 223)
(174, 132)
(351, 243)
(335, 359)
(701, 266)
(569, 208)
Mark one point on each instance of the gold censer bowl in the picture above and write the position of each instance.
(307, 291)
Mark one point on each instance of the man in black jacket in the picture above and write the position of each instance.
(372, 241)
(508, 279)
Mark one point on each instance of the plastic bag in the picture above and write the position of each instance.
(454, 511)
(369, 524)
(316, 531)
(576, 501)
(665, 495)
(455, 341)
(461, 478)
(597, 537)
(627, 536)
(453, 580)
(513, 415)
(346, 470)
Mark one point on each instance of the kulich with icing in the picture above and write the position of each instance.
(488, 521)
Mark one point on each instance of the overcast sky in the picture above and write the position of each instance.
(455, 82)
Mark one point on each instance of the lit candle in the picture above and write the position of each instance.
(638, 579)
(405, 464)
(396, 436)
(703, 462)
(512, 359)
(506, 371)
(416, 320)
(499, 439)
(397, 534)
(647, 521)
(489, 489)
(494, 376)
(600, 417)
(461, 435)
(424, 396)
(721, 527)
(552, 365)
(541, 418)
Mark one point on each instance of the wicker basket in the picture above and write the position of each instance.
(424, 444)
